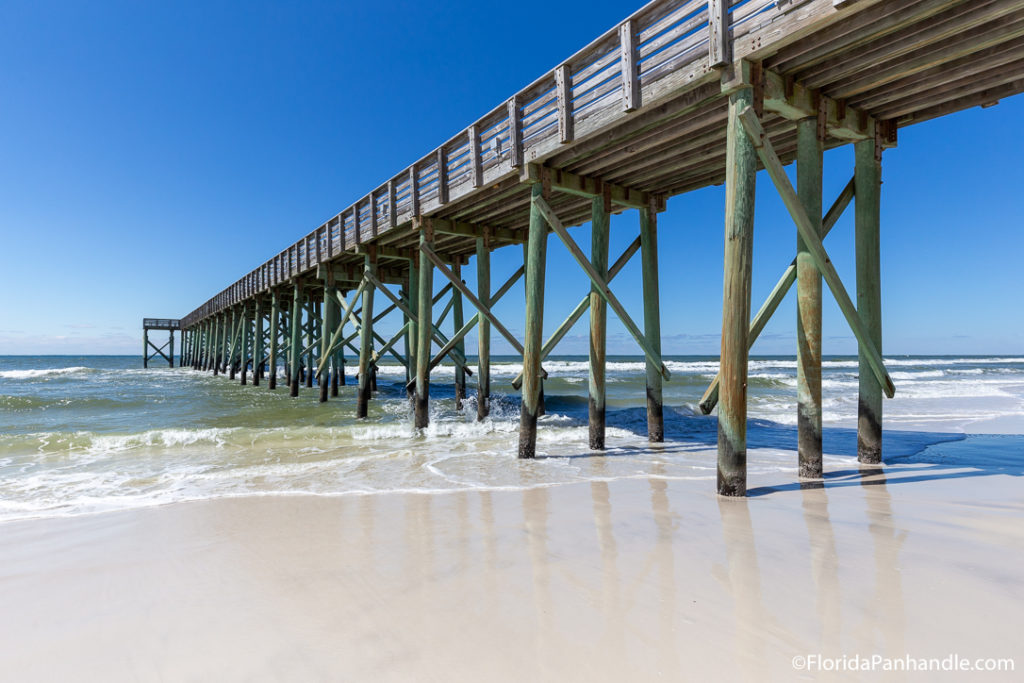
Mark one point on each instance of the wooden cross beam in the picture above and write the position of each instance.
(583, 186)
(812, 240)
(159, 350)
(476, 318)
(600, 284)
(580, 309)
(437, 336)
(710, 397)
(468, 293)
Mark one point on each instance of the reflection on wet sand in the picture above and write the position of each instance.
(824, 567)
(884, 626)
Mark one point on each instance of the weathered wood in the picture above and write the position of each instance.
(710, 398)
(583, 186)
(294, 355)
(365, 340)
(483, 285)
(460, 347)
(327, 324)
(244, 352)
(424, 315)
(600, 229)
(275, 333)
(535, 266)
(814, 247)
(582, 307)
(810, 149)
(601, 286)
(630, 62)
(652, 324)
(719, 45)
(741, 165)
(257, 347)
(868, 176)
(563, 88)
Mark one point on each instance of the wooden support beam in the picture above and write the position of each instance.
(652, 324)
(868, 177)
(295, 318)
(365, 338)
(814, 246)
(275, 333)
(810, 150)
(710, 398)
(484, 310)
(582, 186)
(328, 323)
(600, 229)
(536, 251)
(423, 336)
(582, 307)
(443, 226)
(244, 349)
(257, 346)
(460, 346)
(483, 285)
(602, 287)
(740, 170)
(793, 101)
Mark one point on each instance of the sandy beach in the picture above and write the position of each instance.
(634, 579)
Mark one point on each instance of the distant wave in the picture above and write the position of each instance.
(43, 372)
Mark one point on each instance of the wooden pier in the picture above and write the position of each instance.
(678, 96)
(151, 350)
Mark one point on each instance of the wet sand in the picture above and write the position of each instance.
(629, 580)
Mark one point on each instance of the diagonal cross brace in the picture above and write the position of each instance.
(814, 246)
(437, 336)
(710, 397)
(581, 308)
(468, 293)
(600, 284)
(476, 318)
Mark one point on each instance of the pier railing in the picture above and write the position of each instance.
(659, 49)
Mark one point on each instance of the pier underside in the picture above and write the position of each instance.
(679, 96)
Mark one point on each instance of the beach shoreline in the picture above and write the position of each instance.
(645, 578)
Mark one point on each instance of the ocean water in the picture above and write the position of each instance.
(95, 433)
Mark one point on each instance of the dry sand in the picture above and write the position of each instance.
(629, 580)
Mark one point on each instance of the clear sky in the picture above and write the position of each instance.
(153, 152)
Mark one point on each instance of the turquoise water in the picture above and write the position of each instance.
(94, 433)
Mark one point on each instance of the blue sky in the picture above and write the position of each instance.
(151, 153)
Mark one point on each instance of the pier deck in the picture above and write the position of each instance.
(678, 96)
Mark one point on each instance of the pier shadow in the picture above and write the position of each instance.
(920, 455)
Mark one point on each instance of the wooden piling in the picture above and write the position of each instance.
(295, 345)
(275, 332)
(245, 343)
(868, 180)
(740, 168)
(145, 347)
(460, 346)
(425, 314)
(600, 218)
(233, 343)
(483, 285)
(257, 344)
(332, 320)
(366, 340)
(414, 335)
(311, 317)
(224, 334)
(533, 344)
(326, 329)
(810, 147)
(652, 323)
